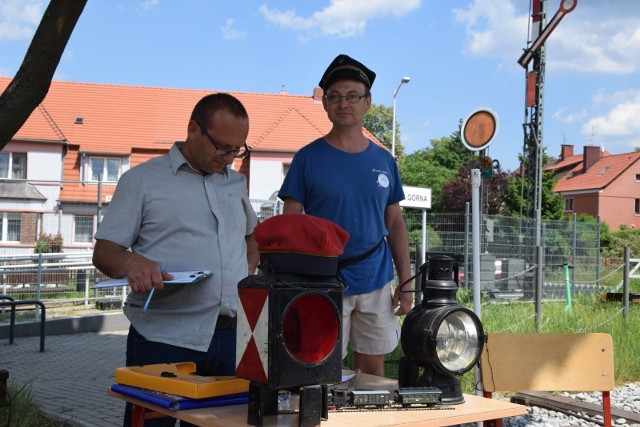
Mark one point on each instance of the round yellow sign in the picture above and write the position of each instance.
(479, 129)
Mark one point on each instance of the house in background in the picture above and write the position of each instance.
(600, 184)
(58, 173)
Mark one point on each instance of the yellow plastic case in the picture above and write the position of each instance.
(179, 379)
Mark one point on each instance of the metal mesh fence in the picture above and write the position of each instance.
(507, 257)
(571, 250)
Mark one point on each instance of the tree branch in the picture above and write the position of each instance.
(31, 83)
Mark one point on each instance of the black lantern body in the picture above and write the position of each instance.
(289, 337)
(289, 330)
(439, 337)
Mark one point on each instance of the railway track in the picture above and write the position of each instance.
(577, 408)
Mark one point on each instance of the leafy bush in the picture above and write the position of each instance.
(48, 243)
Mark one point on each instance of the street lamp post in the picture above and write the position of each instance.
(393, 132)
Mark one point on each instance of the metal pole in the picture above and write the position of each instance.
(393, 125)
(598, 236)
(538, 296)
(625, 284)
(417, 280)
(475, 221)
(423, 253)
(467, 270)
(99, 211)
(574, 251)
(39, 284)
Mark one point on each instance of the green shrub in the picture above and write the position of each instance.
(48, 243)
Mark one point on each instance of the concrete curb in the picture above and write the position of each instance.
(69, 325)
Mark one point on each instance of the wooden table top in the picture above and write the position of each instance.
(474, 409)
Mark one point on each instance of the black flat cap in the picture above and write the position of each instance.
(345, 66)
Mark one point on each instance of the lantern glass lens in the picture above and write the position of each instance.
(311, 328)
(458, 341)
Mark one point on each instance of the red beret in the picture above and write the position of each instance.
(301, 233)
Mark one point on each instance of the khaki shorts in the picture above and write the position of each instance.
(369, 323)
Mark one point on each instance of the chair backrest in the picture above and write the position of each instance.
(549, 362)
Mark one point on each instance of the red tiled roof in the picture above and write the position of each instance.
(599, 176)
(116, 118)
(41, 128)
(143, 122)
(561, 164)
(570, 161)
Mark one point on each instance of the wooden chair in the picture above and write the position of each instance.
(548, 362)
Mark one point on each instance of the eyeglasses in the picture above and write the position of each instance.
(238, 153)
(351, 98)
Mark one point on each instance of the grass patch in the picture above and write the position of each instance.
(23, 411)
(588, 314)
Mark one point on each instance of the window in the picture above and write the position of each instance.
(107, 169)
(636, 207)
(13, 165)
(83, 229)
(568, 204)
(11, 226)
(638, 177)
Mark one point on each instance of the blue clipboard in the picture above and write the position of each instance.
(179, 278)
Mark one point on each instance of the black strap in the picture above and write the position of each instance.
(350, 261)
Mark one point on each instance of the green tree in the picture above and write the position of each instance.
(552, 205)
(457, 191)
(450, 152)
(379, 121)
(417, 170)
(433, 167)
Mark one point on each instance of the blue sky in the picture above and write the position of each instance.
(461, 55)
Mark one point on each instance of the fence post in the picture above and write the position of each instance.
(467, 226)
(599, 229)
(38, 285)
(625, 284)
(538, 293)
(417, 281)
(86, 287)
(574, 218)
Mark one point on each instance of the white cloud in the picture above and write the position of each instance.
(600, 37)
(19, 19)
(342, 18)
(230, 33)
(568, 118)
(619, 124)
(494, 29)
(147, 5)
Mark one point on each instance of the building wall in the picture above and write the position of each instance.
(618, 200)
(585, 204)
(267, 172)
(44, 165)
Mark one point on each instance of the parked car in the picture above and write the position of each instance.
(497, 274)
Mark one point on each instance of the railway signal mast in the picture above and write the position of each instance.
(534, 55)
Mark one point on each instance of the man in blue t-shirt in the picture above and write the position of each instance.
(346, 178)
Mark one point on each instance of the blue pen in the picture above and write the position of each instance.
(146, 304)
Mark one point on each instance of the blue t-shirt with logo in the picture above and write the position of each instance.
(352, 190)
